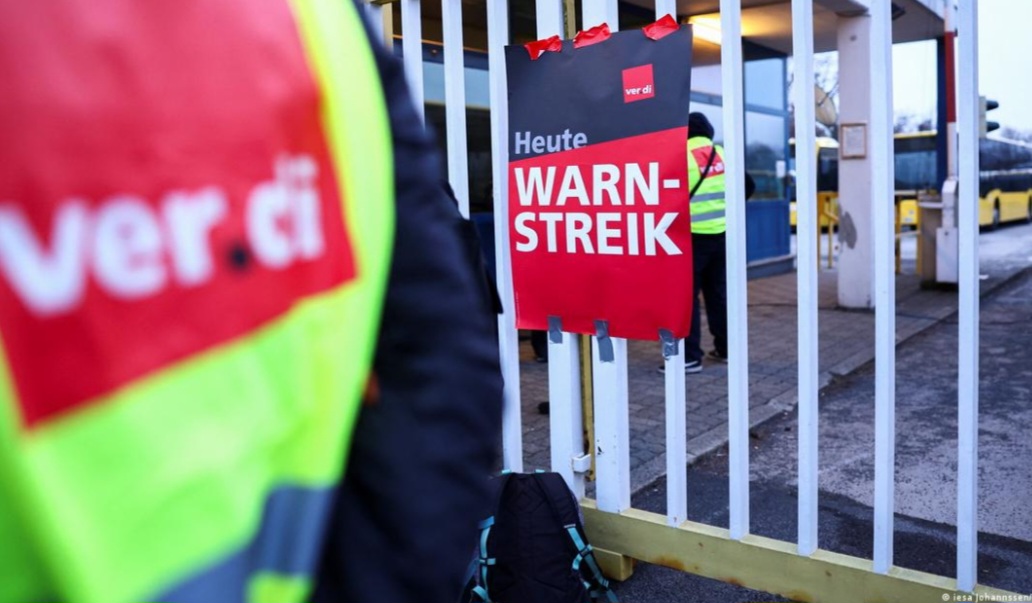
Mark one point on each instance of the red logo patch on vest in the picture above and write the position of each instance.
(702, 157)
(163, 189)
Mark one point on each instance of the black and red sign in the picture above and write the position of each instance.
(598, 199)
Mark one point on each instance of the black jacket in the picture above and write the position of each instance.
(404, 525)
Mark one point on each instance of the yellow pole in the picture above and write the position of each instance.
(898, 228)
(587, 391)
(587, 397)
(819, 202)
(570, 17)
(831, 232)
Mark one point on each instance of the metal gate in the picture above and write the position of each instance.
(799, 570)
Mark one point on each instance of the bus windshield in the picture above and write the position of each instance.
(827, 166)
(915, 162)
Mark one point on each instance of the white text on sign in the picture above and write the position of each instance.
(603, 233)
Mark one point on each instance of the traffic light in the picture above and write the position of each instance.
(985, 126)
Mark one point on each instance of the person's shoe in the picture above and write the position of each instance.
(690, 367)
(716, 356)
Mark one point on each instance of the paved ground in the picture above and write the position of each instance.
(926, 411)
(925, 532)
(846, 343)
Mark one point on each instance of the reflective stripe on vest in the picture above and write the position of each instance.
(194, 458)
(708, 203)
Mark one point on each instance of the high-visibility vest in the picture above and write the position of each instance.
(707, 204)
(196, 220)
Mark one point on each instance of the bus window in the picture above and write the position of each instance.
(915, 162)
(827, 169)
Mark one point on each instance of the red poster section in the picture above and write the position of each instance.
(603, 232)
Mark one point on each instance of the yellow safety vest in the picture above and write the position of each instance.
(209, 478)
(707, 204)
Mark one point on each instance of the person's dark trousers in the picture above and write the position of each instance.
(709, 254)
(539, 341)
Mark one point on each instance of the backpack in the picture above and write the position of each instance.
(533, 549)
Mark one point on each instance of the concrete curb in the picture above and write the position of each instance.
(716, 437)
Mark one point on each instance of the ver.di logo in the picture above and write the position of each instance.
(638, 84)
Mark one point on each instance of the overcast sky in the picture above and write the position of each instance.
(1005, 65)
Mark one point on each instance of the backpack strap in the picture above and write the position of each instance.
(560, 498)
(596, 585)
(483, 561)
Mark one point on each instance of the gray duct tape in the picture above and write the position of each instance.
(669, 343)
(605, 344)
(555, 329)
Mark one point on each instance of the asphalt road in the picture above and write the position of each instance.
(926, 458)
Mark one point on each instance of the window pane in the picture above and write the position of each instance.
(765, 137)
(765, 83)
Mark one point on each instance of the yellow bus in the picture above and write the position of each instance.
(1005, 183)
(827, 181)
(1005, 187)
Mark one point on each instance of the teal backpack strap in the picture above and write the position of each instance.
(483, 560)
(597, 585)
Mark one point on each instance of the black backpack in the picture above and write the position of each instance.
(533, 549)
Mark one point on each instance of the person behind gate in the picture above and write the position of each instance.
(706, 172)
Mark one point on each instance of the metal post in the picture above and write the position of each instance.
(806, 198)
(676, 402)
(566, 416)
(455, 102)
(612, 428)
(381, 18)
(884, 283)
(967, 383)
(508, 342)
(412, 49)
(737, 292)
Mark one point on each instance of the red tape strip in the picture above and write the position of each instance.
(540, 47)
(660, 29)
(599, 33)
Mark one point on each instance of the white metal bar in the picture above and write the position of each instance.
(881, 153)
(676, 399)
(381, 20)
(612, 430)
(566, 416)
(374, 14)
(666, 7)
(737, 292)
(412, 49)
(676, 438)
(549, 17)
(508, 341)
(596, 12)
(806, 271)
(455, 102)
(967, 384)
